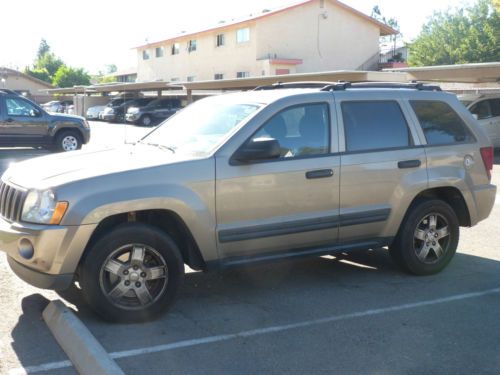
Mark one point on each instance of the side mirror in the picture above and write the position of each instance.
(35, 113)
(257, 150)
(476, 117)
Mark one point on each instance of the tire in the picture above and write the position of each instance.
(68, 140)
(146, 120)
(427, 238)
(131, 274)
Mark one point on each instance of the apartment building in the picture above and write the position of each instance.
(310, 36)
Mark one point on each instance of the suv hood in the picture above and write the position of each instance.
(65, 117)
(59, 169)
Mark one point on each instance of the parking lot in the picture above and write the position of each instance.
(348, 314)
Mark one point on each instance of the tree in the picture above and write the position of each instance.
(459, 37)
(111, 68)
(392, 22)
(50, 63)
(41, 74)
(69, 77)
(43, 48)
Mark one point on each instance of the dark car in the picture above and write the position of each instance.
(154, 112)
(117, 113)
(24, 123)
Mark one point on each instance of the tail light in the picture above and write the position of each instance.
(487, 155)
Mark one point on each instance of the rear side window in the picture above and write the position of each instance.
(495, 107)
(481, 109)
(440, 123)
(373, 125)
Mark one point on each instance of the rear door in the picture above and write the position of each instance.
(381, 166)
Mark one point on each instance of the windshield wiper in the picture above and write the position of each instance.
(162, 147)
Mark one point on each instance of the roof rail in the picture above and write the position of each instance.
(7, 91)
(294, 85)
(381, 85)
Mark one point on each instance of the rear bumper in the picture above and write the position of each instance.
(484, 200)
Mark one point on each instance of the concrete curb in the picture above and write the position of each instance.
(81, 347)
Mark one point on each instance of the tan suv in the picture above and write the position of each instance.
(278, 172)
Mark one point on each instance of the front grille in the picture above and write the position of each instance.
(11, 202)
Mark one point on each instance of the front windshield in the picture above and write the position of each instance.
(200, 127)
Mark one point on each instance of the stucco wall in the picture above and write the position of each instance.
(207, 60)
(342, 40)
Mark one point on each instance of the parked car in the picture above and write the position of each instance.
(156, 111)
(93, 112)
(112, 110)
(486, 108)
(251, 177)
(57, 106)
(117, 113)
(24, 123)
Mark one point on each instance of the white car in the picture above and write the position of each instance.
(93, 112)
(486, 109)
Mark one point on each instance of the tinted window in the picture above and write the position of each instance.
(440, 123)
(374, 125)
(495, 107)
(481, 109)
(300, 130)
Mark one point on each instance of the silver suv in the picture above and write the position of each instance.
(278, 172)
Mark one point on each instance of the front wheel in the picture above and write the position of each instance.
(132, 273)
(68, 140)
(427, 238)
(145, 120)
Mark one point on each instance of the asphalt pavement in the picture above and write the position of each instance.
(350, 314)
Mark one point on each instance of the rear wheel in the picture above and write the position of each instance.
(68, 140)
(427, 239)
(132, 273)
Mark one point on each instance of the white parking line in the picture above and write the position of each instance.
(261, 331)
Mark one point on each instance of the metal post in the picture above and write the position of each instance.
(189, 95)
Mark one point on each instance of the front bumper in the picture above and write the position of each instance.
(56, 251)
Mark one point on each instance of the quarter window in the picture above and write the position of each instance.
(440, 123)
(300, 130)
(373, 125)
(242, 35)
(495, 107)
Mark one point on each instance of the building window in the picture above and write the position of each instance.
(145, 54)
(192, 45)
(191, 78)
(218, 76)
(159, 52)
(220, 40)
(174, 79)
(242, 74)
(175, 48)
(242, 35)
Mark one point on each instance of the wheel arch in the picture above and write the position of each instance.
(166, 220)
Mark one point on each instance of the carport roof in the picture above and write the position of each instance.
(466, 73)
(111, 87)
(333, 76)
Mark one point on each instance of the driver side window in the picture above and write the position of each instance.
(301, 130)
(19, 107)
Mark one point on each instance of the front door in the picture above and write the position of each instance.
(284, 204)
(23, 123)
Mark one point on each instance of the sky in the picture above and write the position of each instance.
(94, 33)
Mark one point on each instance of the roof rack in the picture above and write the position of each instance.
(339, 86)
(294, 85)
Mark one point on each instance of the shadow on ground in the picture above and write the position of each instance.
(261, 296)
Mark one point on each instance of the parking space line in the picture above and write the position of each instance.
(264, 331)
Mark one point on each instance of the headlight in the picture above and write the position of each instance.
(41, 207)
(133, 110)
(86, 124)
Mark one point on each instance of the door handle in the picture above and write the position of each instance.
(320, 173)
(409, 164)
